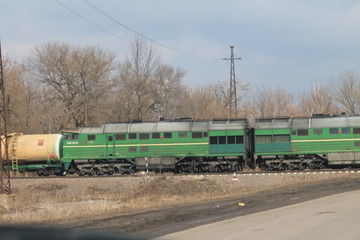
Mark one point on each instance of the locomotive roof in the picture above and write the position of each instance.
(327, 122)
(317, 121)
(167, 126)
(273, 123)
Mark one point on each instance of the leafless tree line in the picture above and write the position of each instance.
(61, 86)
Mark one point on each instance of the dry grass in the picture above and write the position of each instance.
(58, 200)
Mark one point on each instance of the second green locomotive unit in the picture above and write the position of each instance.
(181, 146)
(185, 145)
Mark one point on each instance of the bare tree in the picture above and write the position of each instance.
(319, 101)
(169, 90)
(78, 77)
(146, 88)
(272, 103)
(134, 81)
(346, 92)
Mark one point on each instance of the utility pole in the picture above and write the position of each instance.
(4, 158)
(232, 97)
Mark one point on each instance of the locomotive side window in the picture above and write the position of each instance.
(345, 130)
(263, 139)
(110, 138)
(143, 136)
(132, 149)
(132, 135)
(91, 137)
(222, 140)
(231, 139)
(227, 140)
(213, 140)
(318, 131)
(144, 149)
(356, 131)
(182, 134)
(155, 135)
(282, 138)
(333, 131)
(357, 144)
(167, 135)
(120, 137)
(197, 134)
(302, 132)
(239, 139)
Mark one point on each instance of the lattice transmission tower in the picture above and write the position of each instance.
(4, 158)
(232, 92)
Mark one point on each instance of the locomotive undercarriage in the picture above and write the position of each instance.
(209, 164)
(292, 162)
(129, 166)
(101, 167)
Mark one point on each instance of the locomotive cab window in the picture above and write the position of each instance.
(73, 136)
(110, 138)
(91, 137)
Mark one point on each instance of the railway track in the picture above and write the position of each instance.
(234, 175)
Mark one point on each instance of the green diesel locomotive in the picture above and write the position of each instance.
(184, 145)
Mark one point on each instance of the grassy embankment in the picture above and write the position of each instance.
(37, 201)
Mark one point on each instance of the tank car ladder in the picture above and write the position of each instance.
(14, 159)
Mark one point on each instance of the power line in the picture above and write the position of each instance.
(93, 23)
(193, 57)
(87, 2)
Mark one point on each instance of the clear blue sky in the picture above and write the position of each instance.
(291, 44)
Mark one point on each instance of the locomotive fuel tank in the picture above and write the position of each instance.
(34, 147)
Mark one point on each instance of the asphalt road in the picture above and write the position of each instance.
(333, 217)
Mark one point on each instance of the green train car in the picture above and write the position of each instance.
(315, 142)
(181, 145)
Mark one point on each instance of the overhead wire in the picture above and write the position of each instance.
(193, 54)
(93, 23)
(190, 57)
